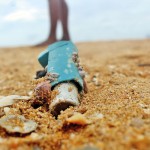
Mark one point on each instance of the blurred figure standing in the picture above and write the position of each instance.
(58, 11)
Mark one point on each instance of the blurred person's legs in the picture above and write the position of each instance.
(54, 16)
(64, 19)
(58, 10)
(53, 8)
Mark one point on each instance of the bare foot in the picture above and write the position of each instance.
(47, 42)
(65, 38)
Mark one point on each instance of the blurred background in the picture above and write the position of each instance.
(26, 22)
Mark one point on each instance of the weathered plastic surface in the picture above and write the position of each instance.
(67, 96)
(58, 59)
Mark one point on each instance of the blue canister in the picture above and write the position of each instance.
(58, 59)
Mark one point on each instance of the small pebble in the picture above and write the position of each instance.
(82, 73)
(147, 111)
(97, 83)
(137, 122)
(6, 110)
(30, 93)
(88, 147)
(98, 115)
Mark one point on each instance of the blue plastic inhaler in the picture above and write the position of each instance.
(58, 59)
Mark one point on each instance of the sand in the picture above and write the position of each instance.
(117, 104)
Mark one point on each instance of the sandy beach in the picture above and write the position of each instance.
(117, 104)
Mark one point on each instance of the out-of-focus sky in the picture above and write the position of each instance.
(26, 22)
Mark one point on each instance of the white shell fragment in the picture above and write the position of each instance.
(82, 73)
(6, 110)
(78, 119)
(30, 93)
(11, 99)
(52, 76)
(55, 75)
(17, 124)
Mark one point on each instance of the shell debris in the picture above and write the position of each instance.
(6, 110)
(17, 124)
(42, 93)
(78, 119)
(11, 99)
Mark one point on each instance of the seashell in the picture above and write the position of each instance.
(77, 65)
(51, 79)
(11, 99)
(75, 57)
(82, 73)
(78, 119)
(17, 124)
(54, 75)
(75, 54)
(42, 92)
(80, 68)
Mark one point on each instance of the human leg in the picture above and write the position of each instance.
(64, 19)
(53, 8)
(54, 16)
